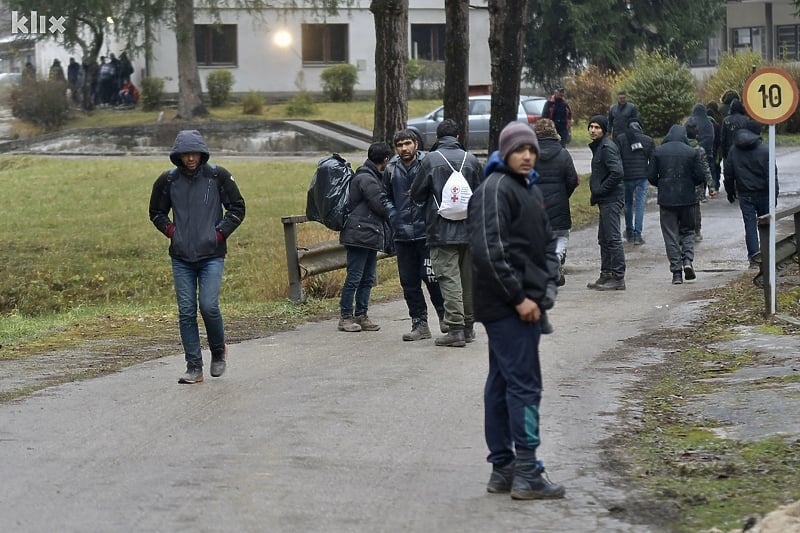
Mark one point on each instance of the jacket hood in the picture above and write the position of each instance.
(549, 147)
(189, 141)
(676, 133)
(744, 139)
(496, 164)
(737, 107)
(447, 141)
(699, 110)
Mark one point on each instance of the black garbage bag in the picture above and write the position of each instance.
(329, 192)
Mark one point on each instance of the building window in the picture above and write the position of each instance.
(427, 41)
(754, 39)
(215, 44)
(325, 43)
(788, 42)
(709, 55)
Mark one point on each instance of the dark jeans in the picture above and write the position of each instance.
(612, 254)
(752, 206)
(201, 281)
(513, 388)
(414, 268)
(677, 227)
(635, 199)
(361, 264)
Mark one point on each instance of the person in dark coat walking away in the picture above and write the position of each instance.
(557, 181)
(676, 169)
(621, 114)
(515, 269)
(408, 227)
(363, 237)
(704, 128)
(635, 149)
(448, 239)
(607, 194)
(206, 208)
(747, 178)
(735, 120)
(557, 109)
(708, 179)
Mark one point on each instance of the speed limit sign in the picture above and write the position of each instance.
(770, 95)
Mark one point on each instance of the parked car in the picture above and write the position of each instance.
(530, 109)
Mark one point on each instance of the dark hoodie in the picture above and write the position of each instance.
(676, 168)
(747, 166)
(198, 228)
(735, 120)
(705, 129)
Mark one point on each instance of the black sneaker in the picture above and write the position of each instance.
(218, 363)
(469, 334)
(688, 270)
(677, 278)
(192, 375)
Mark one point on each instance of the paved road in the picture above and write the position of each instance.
(315, 430)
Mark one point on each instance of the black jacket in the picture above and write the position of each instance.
(635, 149)
(747, 165)
(557, 181)
(511, 245)
(428, 185)
(676, 168)
(197, 201)
(605, 184)
(736, 120)
(406, 217)
(619, 117)
(364, 226)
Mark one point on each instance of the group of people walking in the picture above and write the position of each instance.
(498, 261)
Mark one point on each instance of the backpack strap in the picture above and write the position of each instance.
(448, 161)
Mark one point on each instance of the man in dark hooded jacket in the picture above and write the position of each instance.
(363, 236)
(747, 178)
(605, 185)
(735, 120)
(206, 208)
(676, 169)
(448, 239)
(635, 149)
(514, 272)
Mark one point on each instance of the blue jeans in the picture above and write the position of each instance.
(635, 199)
(753, 206)
(361, 265)
(203, 278)
(513, 388)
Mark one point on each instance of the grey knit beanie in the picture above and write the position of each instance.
(515, 135)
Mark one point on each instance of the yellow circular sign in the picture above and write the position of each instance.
(770, 95)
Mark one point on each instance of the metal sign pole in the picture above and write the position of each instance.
(772, 221)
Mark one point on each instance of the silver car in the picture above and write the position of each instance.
(530, 109)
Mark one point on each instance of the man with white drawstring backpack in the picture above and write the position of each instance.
(449, 168)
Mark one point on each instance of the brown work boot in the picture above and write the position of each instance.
(349, 324)
(366, 324)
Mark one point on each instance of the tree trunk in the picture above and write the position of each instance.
(505, 48)
(456, 65)
(190, 90)
(391, 59)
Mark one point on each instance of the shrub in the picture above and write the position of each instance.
(152, 92)
(300, 105)
(42, 102)
(429, 79)
(252, 103)
(219, 84)
(338, 82)
(732, 73)
(590, 92)
(662, 88)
